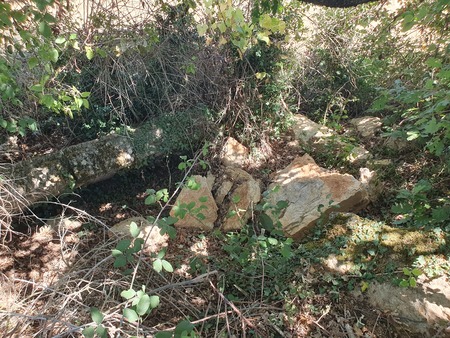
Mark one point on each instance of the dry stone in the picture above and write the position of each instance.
(317, 136)
(367, 126)
(308, 188)
(423, 310)
(155, 241)
(207, 211)
(234, 154)
(236, 194)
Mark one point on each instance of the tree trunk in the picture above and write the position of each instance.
(338, 3)
(52, 174)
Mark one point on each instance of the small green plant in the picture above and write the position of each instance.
(410, 277)
(139, 304)
(126, 249)
(184, 329)
(97, 330)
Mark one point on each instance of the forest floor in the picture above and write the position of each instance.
(38, 259)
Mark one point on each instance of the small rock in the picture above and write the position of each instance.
(234, 154)
(155, 241)
(204, 214)
(367, 126)
(418, 310)
(238, 191)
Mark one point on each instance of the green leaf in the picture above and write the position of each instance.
(164, 334)
(120, 261)
(171, 220)
(89, 52)
(89, 332)
(236, 199)
(96, 315)
(143, 305)
(128, 294)
(404, 283)
(123, 244)
(432, 126)
(101, 331)
(60, 40)
(154, 302)
(272, 241)
(203, 199)
(37, 88)
(184, 325)
(406, 272)
(202, 29)
(412, 135)
(53, 54)
(116, 253)
(33, 62)
(151, 199)
(266, 222)
(434, 62)
(134, 230)
(157, 265)
(131, 315)
(416, 272)
(167, 266)
(44, 29)
(412, 282)
(282, 204)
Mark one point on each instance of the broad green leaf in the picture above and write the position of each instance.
(4, 18)
(131, 315)
(231, 213)
(412, 135)
(116, 253)
(37, 88)
(266, 222)
(89, 332)
(272, 241)
(154, 302)
(432, 126)
(134, 230)
(123, 244)
(53, 54)
(202, 29)
(167, 266)
(184, 325)
(203, 199)
(143, 305)
(85, 94)
(434, 62)
(101, 331)
(60, 40)
(33, 62)
(128, 294)
(89, 52)
(416, 272)
(120, 261)
(236, 199)
(157, 265)
(171, 220)
(404, 283)
(406, 272)
(44, 29)
(263, 36)
(412, 282)
(164, 334)
(96, 315)
(151, 199)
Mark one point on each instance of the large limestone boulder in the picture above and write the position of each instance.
(312, 193)
(236, 192)
(155, 241)
(234, 154)
(204, 212)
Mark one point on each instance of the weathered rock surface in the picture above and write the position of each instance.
(317, 136)
(155, 241)
(367, 126)
(52, 174)
(236, 194)
(420, 311)
(313, 192)
(234, 154)
(203, 214)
